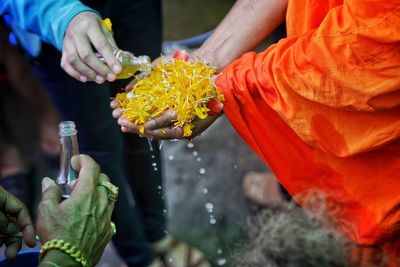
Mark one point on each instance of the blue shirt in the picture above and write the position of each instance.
(47, 18)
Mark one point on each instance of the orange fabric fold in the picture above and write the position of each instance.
(322, 108)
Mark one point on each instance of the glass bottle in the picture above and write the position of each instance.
(69, 148)
(130, 64)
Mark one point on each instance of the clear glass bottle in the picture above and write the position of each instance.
(69, 148)
(130, 64)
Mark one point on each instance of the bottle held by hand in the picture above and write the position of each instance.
(69, 148)
(130, 63)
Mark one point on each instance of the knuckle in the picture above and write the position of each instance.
(90, 74)
(104, 176)
(102, 46)
(71, 60)
(85, 55)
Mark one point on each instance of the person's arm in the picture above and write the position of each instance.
(47, 18)
(337, 86)
(247, 24)
(72, 28)
(14, 218)
(83, 220)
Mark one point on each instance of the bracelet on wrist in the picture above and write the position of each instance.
(65, 247)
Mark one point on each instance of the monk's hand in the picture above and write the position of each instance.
(162, 127)
(79, 60)
(84, 219)
(14, 218)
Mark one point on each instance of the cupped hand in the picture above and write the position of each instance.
(162, 127)
(14, 218)
(84, 219)
(78, 58)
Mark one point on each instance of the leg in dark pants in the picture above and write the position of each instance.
(137, 28)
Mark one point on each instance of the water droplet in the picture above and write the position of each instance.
(202, 171)
(205, 191)
(219, 251)
(152, 156)
(161, 144)
(171, 157)
(150, 145)
(164, 211)
(198, 159)
(221, 261)
(190, 145)
(154, 164)
(159, 187)
(155, 169)
(213, 221)
(209, 206)
(170, 260)
(195, 153)
(235, 166)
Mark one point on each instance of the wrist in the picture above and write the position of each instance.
(58, 257)
(208, 56)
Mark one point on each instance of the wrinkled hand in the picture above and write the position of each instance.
(82, 220)
(78, 58)
(14, 218)
(161, 128)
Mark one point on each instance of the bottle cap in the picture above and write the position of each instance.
(67, 128)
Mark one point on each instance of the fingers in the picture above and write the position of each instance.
(165, 120)
(72, 64)
(166, 133)
(78, 58)
(117, 112)
(114, 103)
(100, 42)
(157, 128)
(87, 55)
(16, 209)
(13, 244)
(89, 172)
(105, 204)
(127, 126)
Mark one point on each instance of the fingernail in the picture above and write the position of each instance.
(111, 77)
(83, 79)
(46, 182)
(117, 68)
(99, 79)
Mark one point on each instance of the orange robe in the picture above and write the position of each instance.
(322, 109)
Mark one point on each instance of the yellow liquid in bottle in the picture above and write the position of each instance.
(128, 71)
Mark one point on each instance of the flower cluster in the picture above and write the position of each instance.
(186, 87)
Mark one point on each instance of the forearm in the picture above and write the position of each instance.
(247, 24)
(47, 18)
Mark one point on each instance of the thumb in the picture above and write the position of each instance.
(50, 190)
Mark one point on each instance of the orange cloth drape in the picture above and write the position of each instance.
(322, 108)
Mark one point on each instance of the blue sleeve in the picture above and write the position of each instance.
(47, 18)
